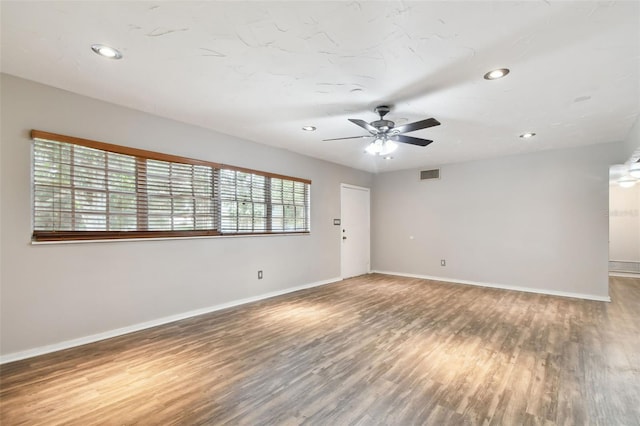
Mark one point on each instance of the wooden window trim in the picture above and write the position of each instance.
(50, 236)
(117, 235)
(153, 155)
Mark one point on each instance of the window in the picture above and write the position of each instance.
(255, 203)
(91, 190)
(243, 202)
(289, 205)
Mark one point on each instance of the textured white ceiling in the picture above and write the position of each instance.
(262, 70)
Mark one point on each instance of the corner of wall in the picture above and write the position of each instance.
(632, 142)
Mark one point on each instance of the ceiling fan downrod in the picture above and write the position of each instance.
(382, 124)
(382, 110)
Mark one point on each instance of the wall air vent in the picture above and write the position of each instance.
(430, 174)
(620, 266)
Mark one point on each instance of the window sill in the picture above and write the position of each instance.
(199, 237)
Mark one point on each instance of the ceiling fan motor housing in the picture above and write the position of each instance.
(383, 124)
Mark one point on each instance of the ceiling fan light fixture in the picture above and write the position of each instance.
(634, 169)
(381, 147)
(388, 147)
(496, 74)
(374, 147)
(106, 51)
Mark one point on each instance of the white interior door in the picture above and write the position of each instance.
(355, 230)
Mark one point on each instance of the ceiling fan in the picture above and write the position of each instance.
(386, 134)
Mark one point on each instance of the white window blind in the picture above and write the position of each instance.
(84, 189)
(290, 205)
(91, 190)
(244, 202)
(179, 196)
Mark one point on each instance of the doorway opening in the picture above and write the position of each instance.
(624, 230)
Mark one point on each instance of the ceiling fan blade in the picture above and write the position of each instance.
(350, 137)
(368, 127)
(411, 140)
(422, 124)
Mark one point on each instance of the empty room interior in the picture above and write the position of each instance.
(320, 213)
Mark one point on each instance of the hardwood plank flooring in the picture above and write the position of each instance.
(369, 350)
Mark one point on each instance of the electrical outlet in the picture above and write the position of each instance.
(443, 262)
(259, 275)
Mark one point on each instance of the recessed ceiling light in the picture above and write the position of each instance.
(106, 51)
(309, 128)
(527, 135)
(626, 182)
(496, 74)
(388, 157)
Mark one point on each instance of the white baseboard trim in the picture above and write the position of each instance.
(29, 353)
(624, 274)
(502, 286)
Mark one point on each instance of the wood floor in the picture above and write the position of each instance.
(370, 350)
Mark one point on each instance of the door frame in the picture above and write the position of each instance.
(359, 188)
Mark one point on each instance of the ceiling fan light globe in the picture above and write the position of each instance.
(388, 147)
(373, 148)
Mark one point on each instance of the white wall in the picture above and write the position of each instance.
(624, 223)
(632, 141)
(536, 221)
(55, 293)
